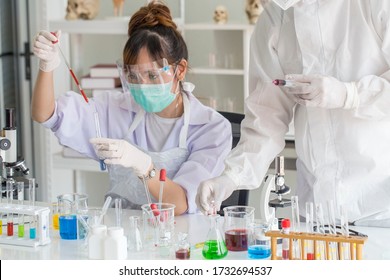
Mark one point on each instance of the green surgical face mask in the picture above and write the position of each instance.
(152, 98)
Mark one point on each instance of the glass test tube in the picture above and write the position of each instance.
(98, 135)
(332, 230)
(345, 247)
(295, 226)
(20, 189)
(31, 191)
(309, 229)
(118, 211)
(10, 216)
(320, 229)
(1, 214)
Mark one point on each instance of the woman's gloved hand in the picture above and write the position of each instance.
(214, 190)
(46, 51)
(116, 151)
(322, 91)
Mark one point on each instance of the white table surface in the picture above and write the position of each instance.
(196, 225)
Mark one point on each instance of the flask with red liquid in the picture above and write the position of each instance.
(182, 250)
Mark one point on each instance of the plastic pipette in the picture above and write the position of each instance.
(104, 209)
(70, 69)
(162, 182)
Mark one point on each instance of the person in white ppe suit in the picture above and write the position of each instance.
(155, 123)
(340, 53)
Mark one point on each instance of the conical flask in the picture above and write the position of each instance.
(214, 248)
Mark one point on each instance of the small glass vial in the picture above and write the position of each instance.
(182, 250)
(285, 241)
(96, 242)
(115, 245)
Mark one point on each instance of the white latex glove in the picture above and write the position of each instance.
(217, 189)
(46, 50)
(322, 91)
(116, 151)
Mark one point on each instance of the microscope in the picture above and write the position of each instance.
(10, 165)
(274, 184)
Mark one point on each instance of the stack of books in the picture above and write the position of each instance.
(101, 77)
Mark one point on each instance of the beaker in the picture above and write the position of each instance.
(134, 241)
(237, 220)
(158, 224)
(214, 247)
(68, 206)
(259, 245)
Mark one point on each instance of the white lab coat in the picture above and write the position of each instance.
(343, 154)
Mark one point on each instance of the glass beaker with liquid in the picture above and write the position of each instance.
(237, 221)
(214, 247)
(259, 245)
(69, 205)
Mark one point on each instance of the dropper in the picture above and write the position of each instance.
(163, 175)
(70, 69)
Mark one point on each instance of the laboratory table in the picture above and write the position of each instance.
(377, 246)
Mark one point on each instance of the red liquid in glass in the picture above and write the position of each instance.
(10, 229)
(236, 240)
(183, 254)
(310, 256)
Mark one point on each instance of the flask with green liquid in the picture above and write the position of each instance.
(214, 248)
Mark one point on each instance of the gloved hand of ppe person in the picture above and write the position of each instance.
(217, 189)
(46, 51)
(322, 91)
(116, 151)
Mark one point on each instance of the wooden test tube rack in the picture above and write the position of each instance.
(356, 243)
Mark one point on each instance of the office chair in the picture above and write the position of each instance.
(238, 197)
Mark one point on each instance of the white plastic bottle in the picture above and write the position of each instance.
(115, 245)
(96, 242)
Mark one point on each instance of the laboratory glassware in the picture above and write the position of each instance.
(237, 220)
(162, 182)
(55, 215)
(134, 240)
(214, 247)
(183, 247)
(309, 229)
(285, 240)
(259, 245)
(70, 204)
(10, 216)
(158, 224)
(20, 191)
(332, 230)
(295, 226)
(320, 248)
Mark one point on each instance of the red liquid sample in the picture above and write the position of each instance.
(10, 229)
(310, 256)
(236, 240)
(285, 254)
(183, 254)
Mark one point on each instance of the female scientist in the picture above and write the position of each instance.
(155, 123)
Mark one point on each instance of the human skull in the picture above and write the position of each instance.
(253, 9)
(82, 9)
(220, 14)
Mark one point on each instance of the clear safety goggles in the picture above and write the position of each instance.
(156, 72)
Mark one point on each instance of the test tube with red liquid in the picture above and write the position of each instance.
(285, 241)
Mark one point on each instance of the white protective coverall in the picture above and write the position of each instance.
(344, 153)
